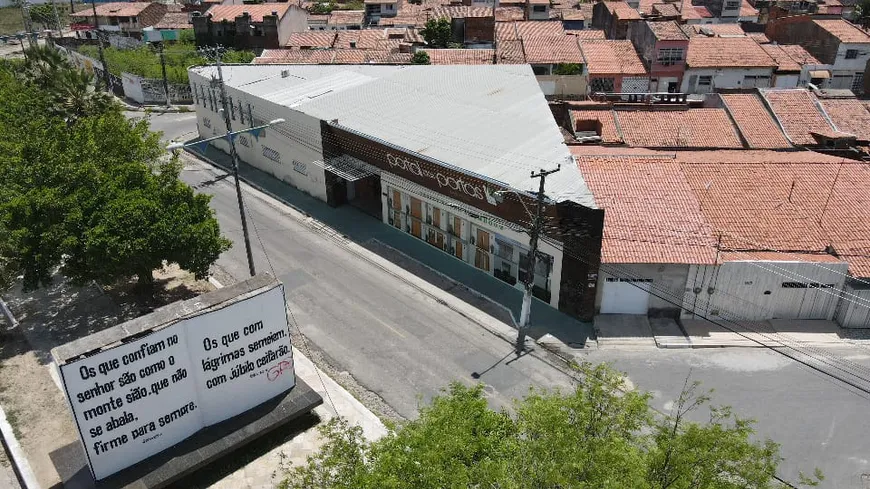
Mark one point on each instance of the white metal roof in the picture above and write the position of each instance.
(492, 121)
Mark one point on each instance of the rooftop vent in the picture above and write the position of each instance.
(285, 73)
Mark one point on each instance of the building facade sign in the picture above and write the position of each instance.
(144, 396)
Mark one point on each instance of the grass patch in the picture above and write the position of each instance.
(12, 23)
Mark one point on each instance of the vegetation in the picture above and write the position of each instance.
(353, 5)
(862, 14)
(437, 32)
(597, 436)
(420, 58)
(85, 189)
(322, 7)
(145, 61)
(42, 16)
(568, 69)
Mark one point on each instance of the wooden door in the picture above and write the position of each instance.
(416, 216)
(458, 249)
(457, 226)
(436, 218)
(439, 240)
(481, 259)
(397, 200)
(483, 240)
(416, 228)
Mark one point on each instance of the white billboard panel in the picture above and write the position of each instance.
(141, 397)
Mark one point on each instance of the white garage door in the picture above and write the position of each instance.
(625, 295)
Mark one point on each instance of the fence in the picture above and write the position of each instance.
(140, 89)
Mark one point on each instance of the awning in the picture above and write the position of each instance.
(348, 168)
(820, 74)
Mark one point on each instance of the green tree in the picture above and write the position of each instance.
(600, 435)
(568, 69)
(89, 191)
(862, 14)
(437, 32)
(420, 58)
(322, 7)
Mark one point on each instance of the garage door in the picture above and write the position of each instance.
(625, 295)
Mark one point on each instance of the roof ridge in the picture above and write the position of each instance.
(734, 124)
(766, 104)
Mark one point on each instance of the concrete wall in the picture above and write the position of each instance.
(724, 78)
(563, 85)
(854, 308)
(291, 152)
(791, 80)
(753, 290)
(668, 286)
(295, 20)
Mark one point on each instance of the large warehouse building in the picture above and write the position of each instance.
(443, 153)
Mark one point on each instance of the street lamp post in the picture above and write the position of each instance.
(230, 136)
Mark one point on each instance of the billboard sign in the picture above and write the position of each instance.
(143, 396)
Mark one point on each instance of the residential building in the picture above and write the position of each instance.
(573, 19)
(168, 28)
(834, 42)
(726, 63)
(794, 65)
(337, 20)
(614, 18)
(804, 120)
(451, 169)
(537, 9)
(375, 9)
(254, 26)
(125, 18)
(614, 67)
(662, 45)
(755, 122)
(744, 235)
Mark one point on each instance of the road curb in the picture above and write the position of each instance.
(20, 465)
(498, 329)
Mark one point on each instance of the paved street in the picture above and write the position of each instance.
(401, 344)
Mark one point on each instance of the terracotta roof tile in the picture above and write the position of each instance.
(623, 11)
(460, 56)
(690, 128)
(785, 62)
(174, 20)
(510, 52)
(589, 34)
(346, 17)
(552, 50)
(539, 28)
(754, 121)
(612, 57)
(295, 56)
(650, 212)
(722, 30)
(257, 11)
(667, 31)
(114, 9)
(747, 10)
(843, 30)
(460, 12)
(849, 115)
(506, 14)
(759, 37)
(572, 14)
(311, 39)
(799, 54)
(665, 10)
(798, 113)
(609, 131)
(727, 52)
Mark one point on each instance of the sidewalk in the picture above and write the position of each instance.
(366, 230)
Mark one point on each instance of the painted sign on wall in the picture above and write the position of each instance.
(144, 396)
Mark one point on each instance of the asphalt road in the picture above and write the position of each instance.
(403, 345)
(394, 340)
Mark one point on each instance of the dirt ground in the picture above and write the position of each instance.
(34, 403)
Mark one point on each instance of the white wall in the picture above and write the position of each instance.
(854, 309)
(857, 64)
(723, 78)
(787, 81)
(294, 20)
(668, 282)
(296, 140)
(753, 290)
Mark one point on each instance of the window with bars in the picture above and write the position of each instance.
(602, 85)
(858, 83)
(670, 56)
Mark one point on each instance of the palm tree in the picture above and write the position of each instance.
(75, 96)
(42, 64)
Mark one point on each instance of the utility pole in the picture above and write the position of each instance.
(529, 281)
(106, 78)
(27, 22)
(163, 68)
(216, 51)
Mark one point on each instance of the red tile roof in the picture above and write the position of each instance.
(174, 20)
(311, 39)
(539, 28)
(665, 10)
(623, 11)
(572, 14)
(759, 37)
(798, 113)
(690, 128)
(766, 205)
(650, 212)
(754, 121)
(850, 116)
(506, 14)
(722, 30)
(607, 119)
(727, 52)
(114, 9)
(747, 10)
(589, 34)
(612, 57)
(257, 11)
(295, 56)
(799, 54)
(460, 56)
(346, 17)
(510, 52)
(785, 62)
(459, 12)
(843, 30)
(552, 50)
(667, 31)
